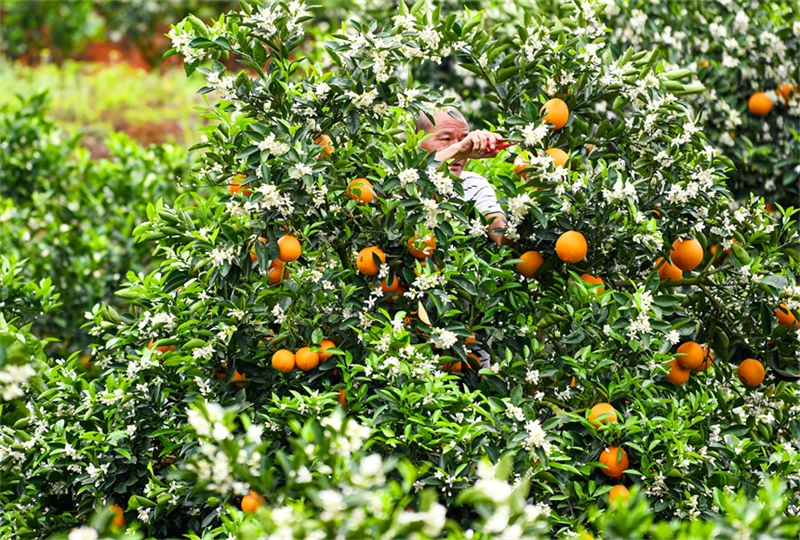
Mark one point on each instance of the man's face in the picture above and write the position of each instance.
(446, 132)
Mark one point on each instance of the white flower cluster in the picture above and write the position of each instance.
(180, 42)
(443, 339)
(518, 208)
(442, 181)
(13, 378)
(344, 444)
(408, 176)
(535, 134)
(222, 255)
(273, 146)
(272, 199)
(425, 282)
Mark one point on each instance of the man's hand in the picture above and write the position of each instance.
(477, 145)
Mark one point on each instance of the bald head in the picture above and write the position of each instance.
(447, 116)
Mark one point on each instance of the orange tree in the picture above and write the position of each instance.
(376, 330)
(746, 54)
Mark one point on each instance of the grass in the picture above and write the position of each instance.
(96, 99)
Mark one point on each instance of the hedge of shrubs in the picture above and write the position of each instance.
(71, 218)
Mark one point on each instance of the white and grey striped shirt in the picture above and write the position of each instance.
(478, 189)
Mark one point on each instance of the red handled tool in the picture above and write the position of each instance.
(501, 146)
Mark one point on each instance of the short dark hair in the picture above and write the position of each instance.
(423, 123)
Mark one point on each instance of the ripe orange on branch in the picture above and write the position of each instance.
(686, 254)
(678, 375)
(785, 91)
(251, 502)
(290, 249)
(786, 317)
(602, 409)
(324, 345)
(694, 356)
(119, 516)
(557, 113)
(283, 361)
(360, 190)
(531, 262)
(236, 186)
(327, 145)
(592, 280)
(365, 262)
(253, 256)
(571, 247)
(616, 461)
(751, 372)
(428, 246)
(521, 162)
(667, 271)
(306, 359)
(759, 104)
(560, 158)
(276, 272)
(618, 492)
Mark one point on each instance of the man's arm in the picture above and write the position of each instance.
(477, 145)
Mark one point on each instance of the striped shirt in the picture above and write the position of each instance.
(478, 189)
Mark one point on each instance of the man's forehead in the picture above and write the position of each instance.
(443, 121)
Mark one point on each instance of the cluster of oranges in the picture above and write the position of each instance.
(571, 247)
(556, 113)
(614, 458)
(691, 357)
(759, 103)
(304, 359)
(290, 250)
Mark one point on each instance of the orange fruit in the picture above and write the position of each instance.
(705, 63)
(667, 271)
(560, 157)
(786, 317)
(290, 249)
(600, 409)
(253, 256)
(471, 340)
(571, 247)
(695, 356)
(306, 359)
(557, 113)
(251, 502)
(390, 284)
(342, 399)
(616, 461)
(283, 361)
(677, 375)
(452, 367)
(366, 264)
(324, 345)
(428, 246)
(759, 104)
(618, 492)
(588, 278)
(236, 186)
(475, 360)
(751, 372)
(162, 349)
(785, 91)
(686, 254)
(119, 516)
(274, 273)
(521, 162)
(531, 261)
(327, 145)
(238, 377)
(361, 190)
